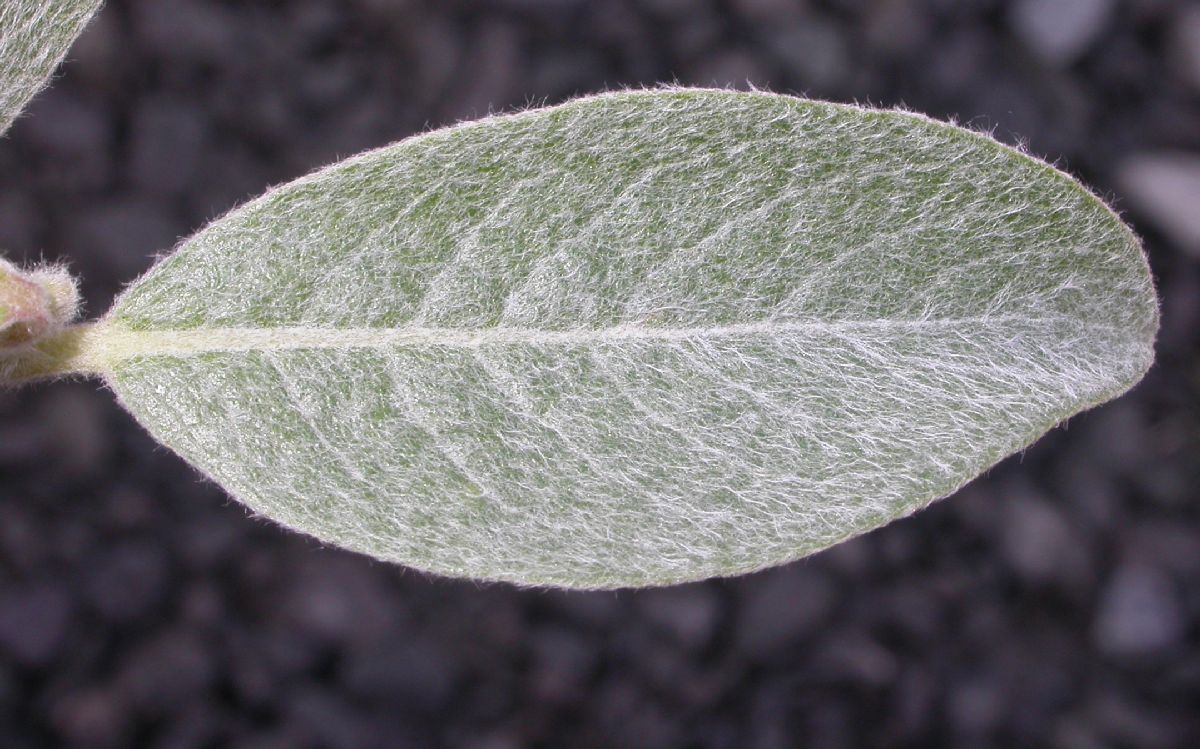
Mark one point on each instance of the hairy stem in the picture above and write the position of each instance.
(73, 350)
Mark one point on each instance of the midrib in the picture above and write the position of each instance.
(95, 348)
(99, 346)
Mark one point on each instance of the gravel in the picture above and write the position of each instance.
(1054, 602)
(1139, 613)
(1060, 31)
(1166, 188)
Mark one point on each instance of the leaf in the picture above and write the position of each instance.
(636, 339)
(33, 305)
(34, 38)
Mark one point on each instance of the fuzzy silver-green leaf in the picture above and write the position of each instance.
(34, 38)
(635, 339)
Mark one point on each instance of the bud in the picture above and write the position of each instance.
(34, 304)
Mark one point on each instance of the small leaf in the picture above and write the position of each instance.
(636, 339)
(36, 306)
(34, 38)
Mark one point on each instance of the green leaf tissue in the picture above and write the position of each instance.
(636, 339)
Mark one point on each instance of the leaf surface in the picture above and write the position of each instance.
(34, 38)
(635, 339)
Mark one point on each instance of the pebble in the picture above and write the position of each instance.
(769, 11)
(262, 660)
(169, 140)
(1139, 613)
(1174, 548)
(198, 727)
(1041, 544)
(128, 581)
(780, 607)
(909, 607)
(33, 622)
(898, 27)
(856, 658)
(19, 444)
(1060, 31)
(627, 715)
(687, 613)
(18, 227)
(914, 702)
(209, 540)
(1164, 187)
(64, 123)
(92, 716)
(328, 719)
(414, 674)
(670, 8)
(814, 54)
(279, 738)
(167, 672)
(211, 30)
(1185, 42)
(976, 705)
(73, 137)
(562, 664)
(140, 607)
(1118, 719)
(692, 38)
(73, 420)
(334, 599)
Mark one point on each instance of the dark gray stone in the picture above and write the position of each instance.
(960, 626)
(166, 673)
(1139, 613)
(1165, 188)
(1040, 542)
(782, 606)
(814, 54)
(186, 30)
(339, 599)
(330, 720)
(1059, 31)
(1185, 41)
(75, 430)
(687, 613)
(33, 622)
(127, 582)
(410, 674)
(563, 663)
(169, 142)
(94, 716)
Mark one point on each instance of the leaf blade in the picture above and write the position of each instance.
(34, 37)
(635, 339)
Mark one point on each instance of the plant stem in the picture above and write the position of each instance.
(71, 351)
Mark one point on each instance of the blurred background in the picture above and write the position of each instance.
(1055, 602)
